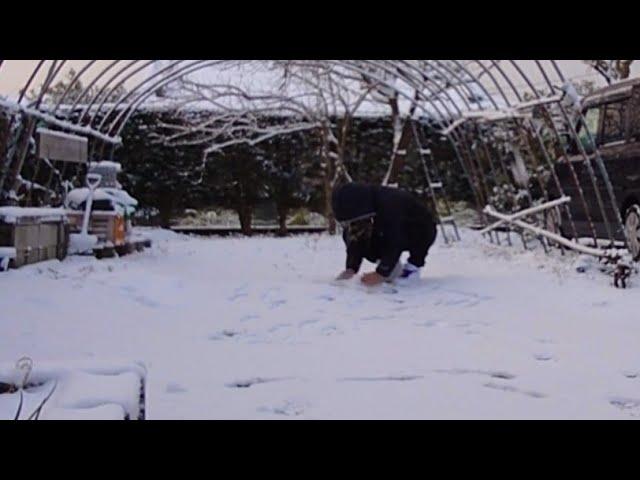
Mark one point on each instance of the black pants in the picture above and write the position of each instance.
(421, 237)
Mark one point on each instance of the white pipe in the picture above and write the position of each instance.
(556, 238)
(524, 213)
(51, 120)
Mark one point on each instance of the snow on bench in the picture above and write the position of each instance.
(12, 214)
(106, 392)
(6, 254)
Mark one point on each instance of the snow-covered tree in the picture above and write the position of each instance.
(73, 90)
(165, 179)
(611, 70)
(313, 96)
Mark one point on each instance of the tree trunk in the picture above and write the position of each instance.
(165, 217)
(328, 191)
(328, 208)
(329, 167)
(21, 153)
(624, 68)
(245, 214)
(5, 131)
(166, 208)
(397, 160)
(282, 220)
(9, 176)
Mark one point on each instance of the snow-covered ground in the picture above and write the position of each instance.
(253, 328)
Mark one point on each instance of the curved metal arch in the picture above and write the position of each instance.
(131, 74)
(192, 67)
(88, 88)
(72, 83)
(498, 68)
(548, 158)
(102, 89)
(552, 168)
(585, 156)
(140, 97)
(463, 140)
(462, 76)
(51, 76)
(582, 151)
(598, 158)
(175, 75)
(419, 84)
(465, 84)
(422, 83)
(138, 90)
(490, 75)
(532, 129)
(144, 95)
(486, 93)
(149, 90)
(34, 72)
(136, 100)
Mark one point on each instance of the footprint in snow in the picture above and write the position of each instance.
(224, 334)
(278, 327)
(372, 318)
(387, 378)
(512, 389)
(289, 408)
(326, 297)
(173, 387)
(147, 302)
(543, 357)
(427, 324)
(305, 323)
(239, 292)
(331, 330)
(249, 382)
(502, 375)
(627, 405)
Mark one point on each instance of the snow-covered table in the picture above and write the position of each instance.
(113, 391)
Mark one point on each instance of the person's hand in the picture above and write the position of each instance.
(346, 275)
(372, 278)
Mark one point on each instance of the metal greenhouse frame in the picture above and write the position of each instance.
(482, 134)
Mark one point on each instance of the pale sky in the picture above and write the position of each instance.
(14, 73)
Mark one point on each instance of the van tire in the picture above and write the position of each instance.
(632, 230)
(553, 223)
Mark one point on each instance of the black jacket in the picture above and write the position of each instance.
(399, 220)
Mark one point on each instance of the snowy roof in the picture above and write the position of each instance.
(120, 199)
(12, 214)
(106, 164)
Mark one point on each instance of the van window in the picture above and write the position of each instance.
(634, 118)
(614, 122)
(592, 120)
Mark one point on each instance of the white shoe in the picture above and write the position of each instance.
(410, 274)
(395, 273)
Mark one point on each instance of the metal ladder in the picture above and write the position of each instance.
(435, 185)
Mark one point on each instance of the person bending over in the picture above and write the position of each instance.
(379, 224)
